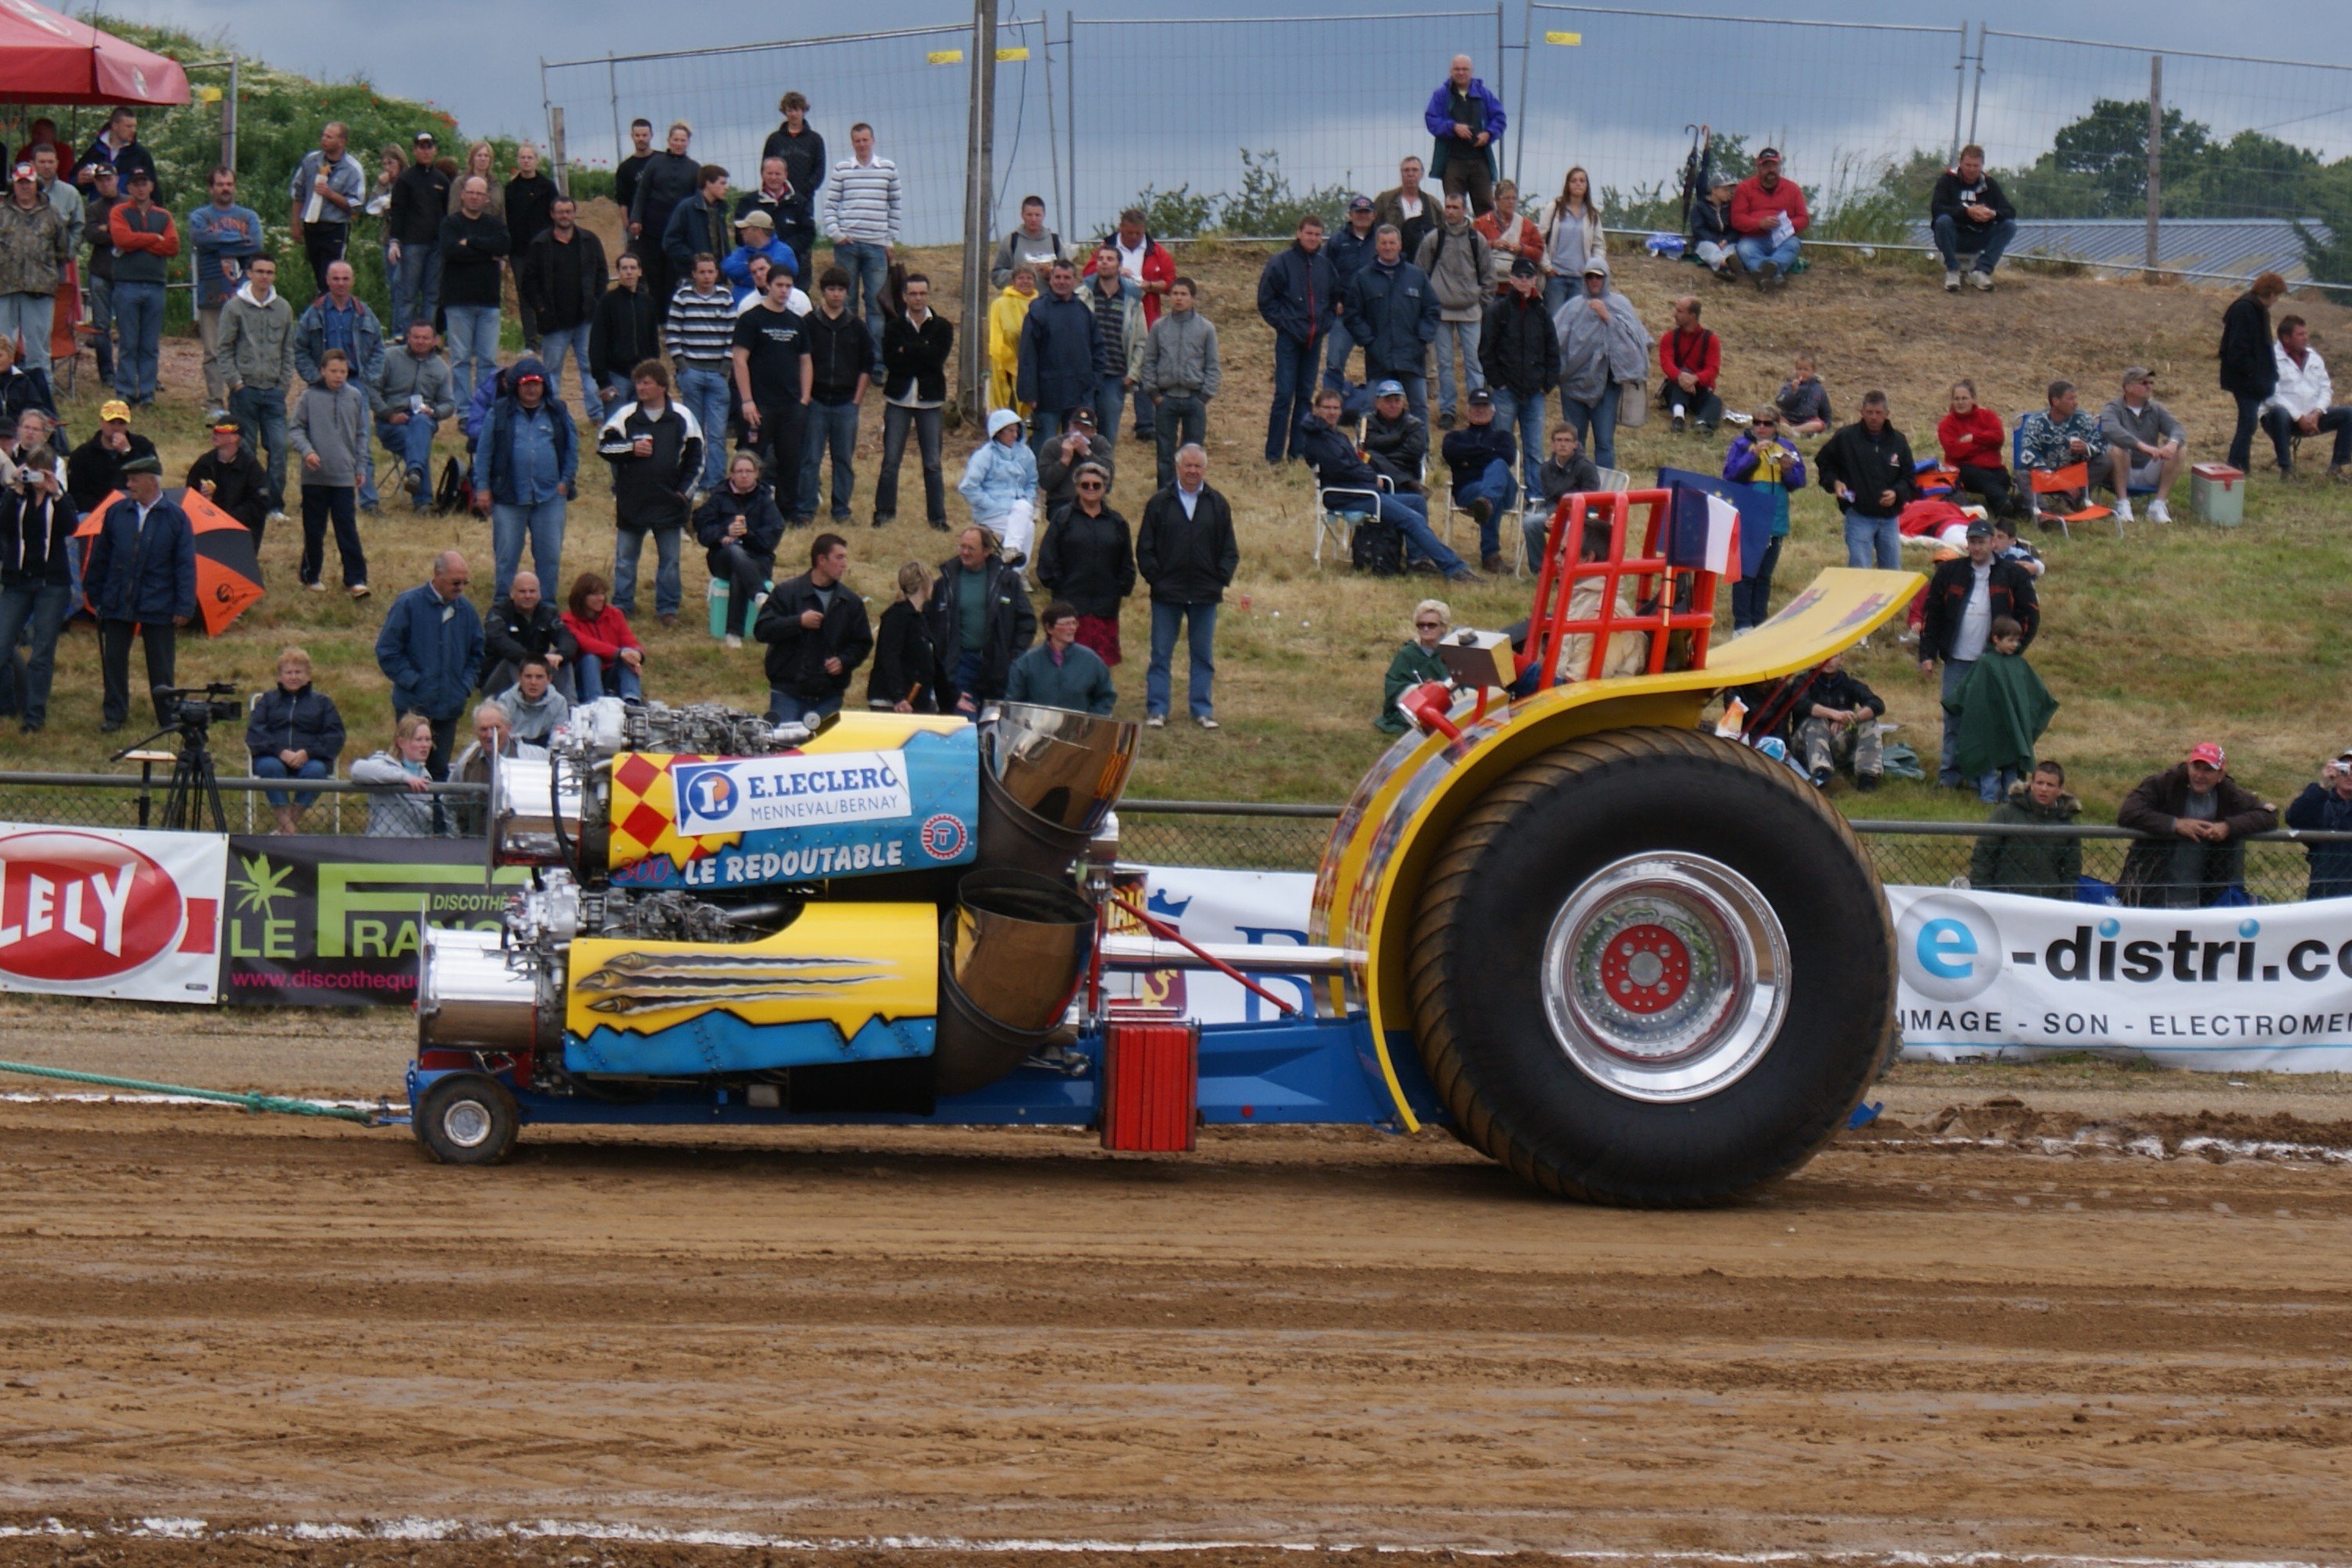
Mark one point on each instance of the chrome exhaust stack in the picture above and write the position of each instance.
(472, 994)
(1048, 777)
(1016, 948)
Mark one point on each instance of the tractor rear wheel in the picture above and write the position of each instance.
(1652, 968)
(467, 1118)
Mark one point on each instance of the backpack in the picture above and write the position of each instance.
(1377, 548)
(455, 490)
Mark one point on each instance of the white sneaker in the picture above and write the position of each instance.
(1205, 721)
(2124, 512)
(2158, 511)
(733, 641)
(1983, 280)
(1155, 721)
(1951, 280)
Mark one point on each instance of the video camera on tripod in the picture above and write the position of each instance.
(190, 712)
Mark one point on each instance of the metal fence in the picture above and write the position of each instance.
(1220, 833)
(1093, 111)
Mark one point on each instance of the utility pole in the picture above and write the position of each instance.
(2155, 151)
(978, 208)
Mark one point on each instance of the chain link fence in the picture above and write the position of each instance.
(1224, 836)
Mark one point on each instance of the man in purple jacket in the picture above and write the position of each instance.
(1467, 122)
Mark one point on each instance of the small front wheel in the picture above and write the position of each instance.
(467, 1118)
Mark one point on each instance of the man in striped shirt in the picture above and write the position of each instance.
(700, 331)
(861, 218)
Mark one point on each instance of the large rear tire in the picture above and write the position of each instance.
(1652, 968)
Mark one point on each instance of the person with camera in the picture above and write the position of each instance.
(294, 732)
(37, 519)
(140, 578)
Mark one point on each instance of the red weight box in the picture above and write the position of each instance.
(1151, 1085)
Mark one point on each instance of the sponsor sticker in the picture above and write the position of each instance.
(752, 794)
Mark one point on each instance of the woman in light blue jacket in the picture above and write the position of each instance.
(1000, 483)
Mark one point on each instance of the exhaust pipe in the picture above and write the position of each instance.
(1048, 777)
(471, 997)
(1009, 966)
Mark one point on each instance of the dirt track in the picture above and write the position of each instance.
(1938, 1338)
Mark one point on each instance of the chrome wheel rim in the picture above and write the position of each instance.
(1666, 977)
(466, 1123)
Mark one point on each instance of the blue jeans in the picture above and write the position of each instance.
(1336, 346)
(1046, 426)
(416, 286)
(412, 444)
(1754, 252)
(271, 768)
(1498, 490)
(260, 414)
(1199, 623)
(1956, 675)
(1993, 787)
(1988, 242)
(832, 426)
(1409, 515)
(868, 265)
(554, 345)
(783, 708)
(473, 346)
(1526, 414)
(1869, 536)
(541, 525)
(102, 326)
(1450, 335)
(1294, 394)
(1595, 424)
(1178, 420)
(596, 680)
(628, 544)
(1110, 405)
(1751, 597)
(43, 608)
(704, 392)
(139, 334)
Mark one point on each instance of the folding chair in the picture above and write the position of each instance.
(2059, 481)
(1611, 479)
(1335, 521)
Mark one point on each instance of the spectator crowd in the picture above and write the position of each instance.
(719, 368)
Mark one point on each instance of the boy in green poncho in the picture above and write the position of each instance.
(2003, 709)
(1415, 662)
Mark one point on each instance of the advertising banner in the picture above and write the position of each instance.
(115, 914)
(313, 922)
(1263, 909)
(2260, 988)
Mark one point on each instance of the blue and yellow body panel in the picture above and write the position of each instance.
(1371, 877)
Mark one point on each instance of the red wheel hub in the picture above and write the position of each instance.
(1646, 969)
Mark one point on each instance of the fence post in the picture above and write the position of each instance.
(228, 117)
(620, 142)
(1959, 91)
(1070, 121)
(557, 152)
(1053, 127)
(2155, 150)
(1976, 88)
(1519, 119)
(980, 157)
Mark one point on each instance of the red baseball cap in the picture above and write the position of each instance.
(2209, 753)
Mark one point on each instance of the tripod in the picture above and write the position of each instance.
(193, 784)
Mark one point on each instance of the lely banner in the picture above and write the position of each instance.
(115, 913)
(2262, 988)
(322, 921)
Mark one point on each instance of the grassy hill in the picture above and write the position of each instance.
(2167, 634)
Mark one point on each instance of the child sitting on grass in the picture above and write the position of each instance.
(2003, 709)
(1803, 401)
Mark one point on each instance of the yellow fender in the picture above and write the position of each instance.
(1369, 880)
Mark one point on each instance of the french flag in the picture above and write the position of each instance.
(1707, 532)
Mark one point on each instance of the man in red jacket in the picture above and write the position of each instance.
(1691, 357)
(1768, 214)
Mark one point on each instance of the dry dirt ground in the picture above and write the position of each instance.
(2116, 1326)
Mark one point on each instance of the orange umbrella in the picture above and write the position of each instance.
(228, 573)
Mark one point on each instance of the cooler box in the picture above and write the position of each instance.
(721, 592)
(2217, 492)
(1151, 1083)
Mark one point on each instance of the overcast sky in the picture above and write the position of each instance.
(1162, 107)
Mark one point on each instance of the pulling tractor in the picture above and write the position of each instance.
(1633, 961)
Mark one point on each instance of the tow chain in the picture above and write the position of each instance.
(256, 1103)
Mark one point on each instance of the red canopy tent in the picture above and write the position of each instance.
(48, 58)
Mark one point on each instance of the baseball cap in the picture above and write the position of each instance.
(1721, 178)
(27, 172)
(1481, 398)
(424, 136)
(1979, 529)
(217, 425)
(1389, 389)
(136, 175)
(1084, 416)
(1359, 203)
(1769, 155)
(1523, 268)
(114, 408)
(755, 219)
(2137, 374)
(2209, 753)
(144, 463)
